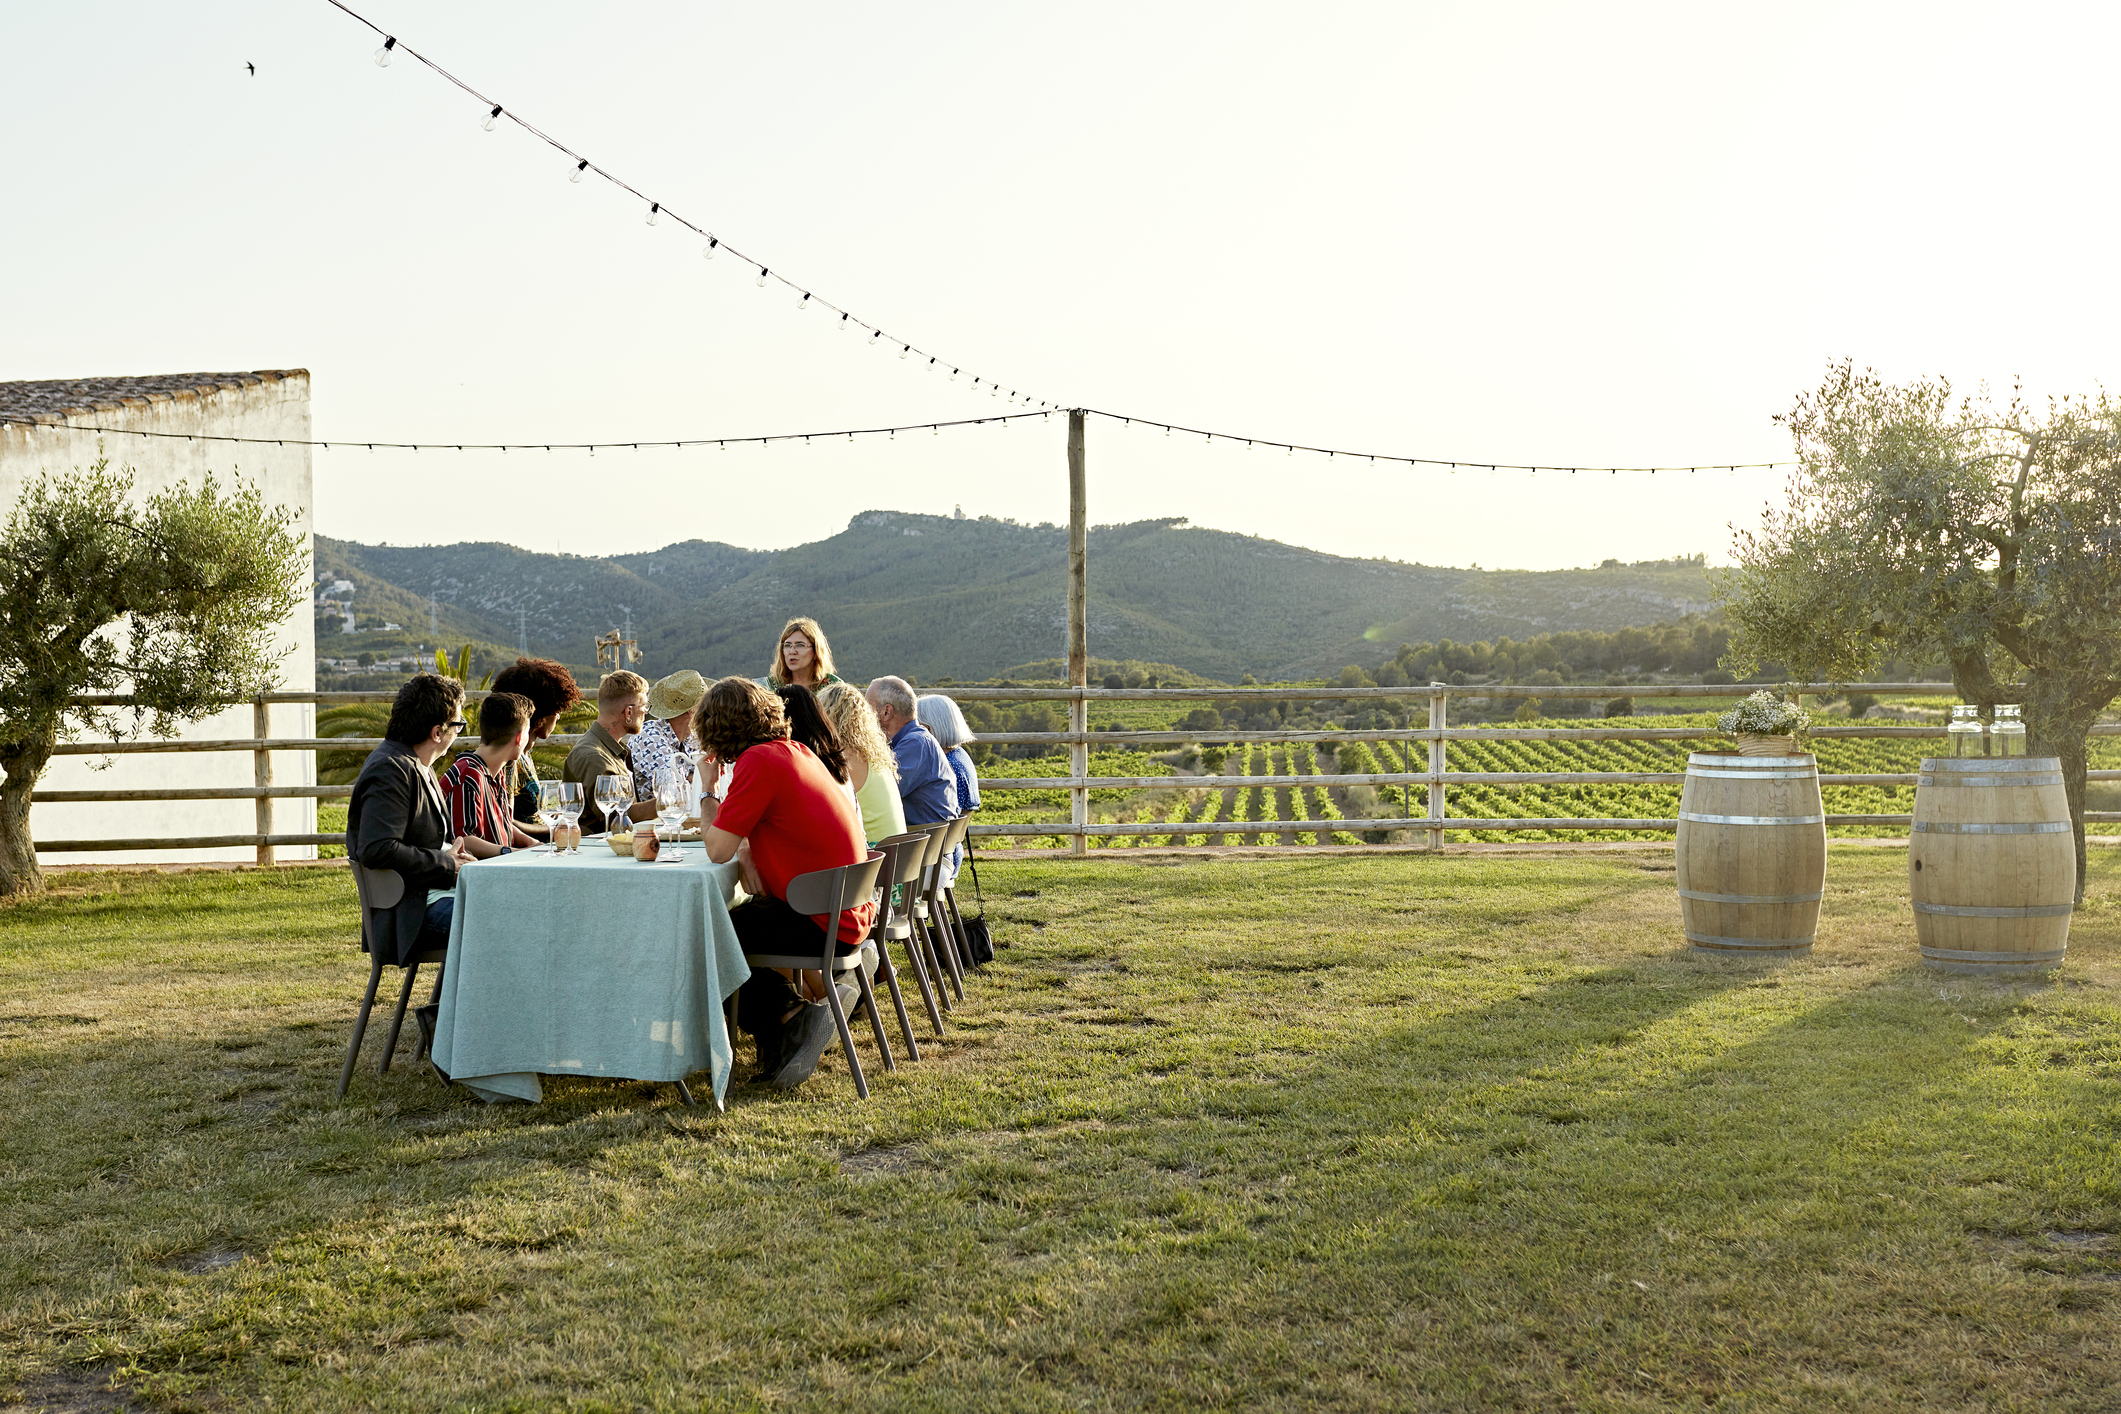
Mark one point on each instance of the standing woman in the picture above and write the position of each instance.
(802, 658)
(871, 767)
(551, 690)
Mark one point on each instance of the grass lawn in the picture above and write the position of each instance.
(1374, 1133)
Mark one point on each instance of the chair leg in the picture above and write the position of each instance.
(898, 999)
(957, 924)
(854, 1062)
(936, 968)
(397, 1022)
(939, 934)
(686, 1092)
(921, 980)
(432, 998)
(876, 1018)
(360, 1026)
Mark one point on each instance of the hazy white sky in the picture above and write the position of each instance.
(1556, 233)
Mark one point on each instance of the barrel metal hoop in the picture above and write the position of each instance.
(1720, 758)
(1967, 910)
(1700, 897)
(1700, 819)
(1955, 955)
(2012, 765)
(1775, 944)
(1703, 771)
(1987, 827)
(1991, 782)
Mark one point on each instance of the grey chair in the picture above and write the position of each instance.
(900, 881)
(382, 889)
(832, 892)
(927, 919)
(946, 892)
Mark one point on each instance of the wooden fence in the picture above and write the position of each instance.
(1078, 828)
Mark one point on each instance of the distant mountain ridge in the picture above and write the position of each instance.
(935, 596)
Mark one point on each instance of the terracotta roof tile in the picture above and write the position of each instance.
(49, 400)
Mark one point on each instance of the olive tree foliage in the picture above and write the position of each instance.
(172, 599)
(1923, 524)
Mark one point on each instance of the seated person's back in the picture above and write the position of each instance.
(399, 820)
(926, 786)
(478, 785)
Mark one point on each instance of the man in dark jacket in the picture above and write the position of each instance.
(398, 819)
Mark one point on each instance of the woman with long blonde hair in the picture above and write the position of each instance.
(801, 657)
(871, 767)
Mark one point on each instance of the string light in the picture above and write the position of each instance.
(804, 302)
(497, 111)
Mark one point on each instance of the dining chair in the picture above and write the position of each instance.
(934, 929)
(946, 891)
(832, 892)
(899, 881)
(380, 889)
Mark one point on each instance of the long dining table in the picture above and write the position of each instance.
(589, 964)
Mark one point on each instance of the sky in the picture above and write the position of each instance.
(1530, 233)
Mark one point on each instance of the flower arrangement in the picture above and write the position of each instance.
(1765, 714)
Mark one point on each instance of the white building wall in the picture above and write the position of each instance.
(267, 405)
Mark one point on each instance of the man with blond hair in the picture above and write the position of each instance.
(622, 705)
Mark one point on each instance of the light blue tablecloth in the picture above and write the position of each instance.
(588, 965)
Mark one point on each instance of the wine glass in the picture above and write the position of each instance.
(671, 801)
(614, 794)
(571, 812)
(549, 808)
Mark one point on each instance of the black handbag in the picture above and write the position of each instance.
(979, 942)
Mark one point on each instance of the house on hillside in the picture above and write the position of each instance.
(48, 426)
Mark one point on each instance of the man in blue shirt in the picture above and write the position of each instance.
(926, 784)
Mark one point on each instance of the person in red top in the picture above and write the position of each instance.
(786, 812)
(476, 783)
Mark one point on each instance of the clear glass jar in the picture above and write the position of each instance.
(2008, 733)
(1968, 736)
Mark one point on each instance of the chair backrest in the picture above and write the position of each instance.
(933, 855)
(902, 868)
(956, 834)
(376, 889)
(832, 891)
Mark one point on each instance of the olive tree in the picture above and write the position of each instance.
(1925, 524)
(171, 600)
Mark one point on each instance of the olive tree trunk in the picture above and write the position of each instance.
(24, 764)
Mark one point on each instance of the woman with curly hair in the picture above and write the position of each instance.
(871, 768)
(551, 689)
(801, 656)
(786, 807)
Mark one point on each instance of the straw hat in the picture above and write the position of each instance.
(676, 695)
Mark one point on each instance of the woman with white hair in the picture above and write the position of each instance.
(946, 723)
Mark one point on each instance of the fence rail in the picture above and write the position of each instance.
(1079, 829)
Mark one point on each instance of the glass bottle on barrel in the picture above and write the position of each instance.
(2008, 734)
(1967, 734)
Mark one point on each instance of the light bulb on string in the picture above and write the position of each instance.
(906, 350)
(492, 118)
(708, 253)
(390, 42)
(953, 375)
(579, 168)
(875, 337)
(804, 302)
(655, 209)
(763, 273)
(846, 322)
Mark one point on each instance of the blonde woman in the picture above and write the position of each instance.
(801, 657)
(871, 767)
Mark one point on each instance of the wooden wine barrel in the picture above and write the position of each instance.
(1752, 853)
(1991, 864)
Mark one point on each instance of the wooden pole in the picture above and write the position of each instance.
(261, 775)
(1437, 758)
(1078, 627)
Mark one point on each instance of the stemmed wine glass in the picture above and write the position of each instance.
(570, 812)
(614, 794)
(670, 804)
(549, 808)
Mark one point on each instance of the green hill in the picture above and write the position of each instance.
(934, 596)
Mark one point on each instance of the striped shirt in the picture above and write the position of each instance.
(478, 801)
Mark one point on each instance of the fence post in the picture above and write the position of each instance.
(1078, 630)
(1437, 716)
(261, 774)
